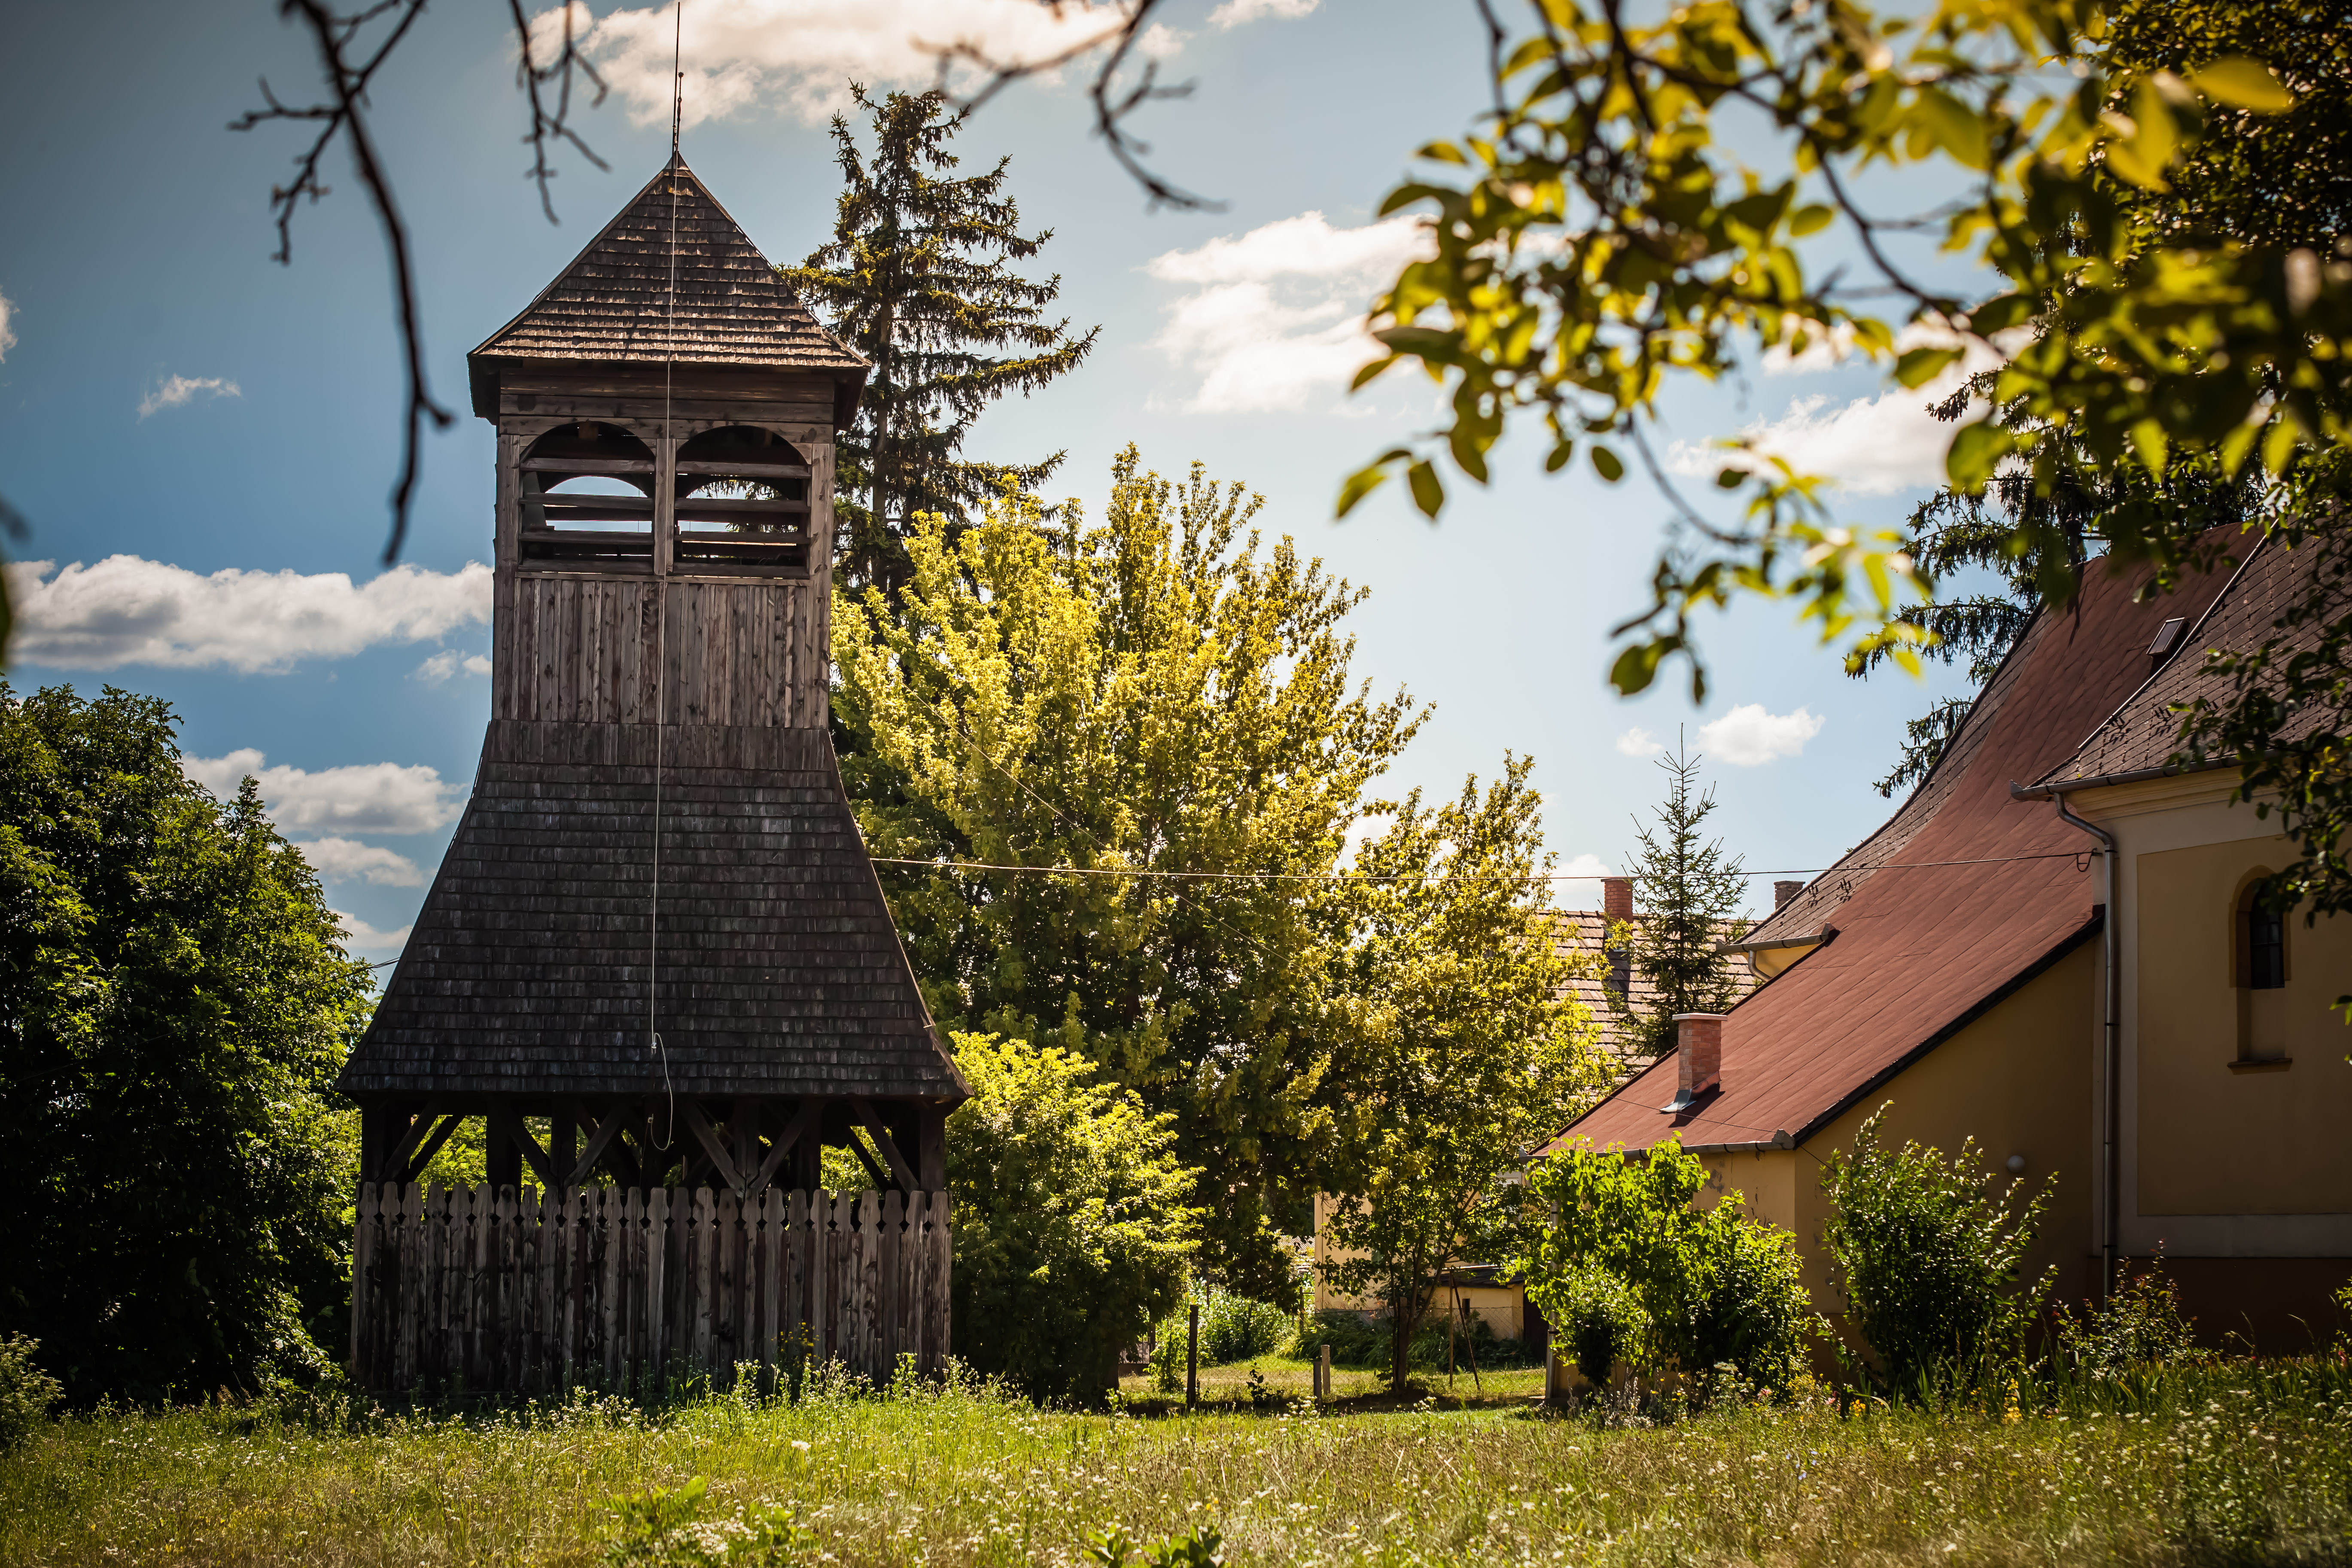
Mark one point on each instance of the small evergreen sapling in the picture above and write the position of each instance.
(1689, 894)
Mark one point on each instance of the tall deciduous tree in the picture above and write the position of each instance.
(919, 278)
(1154, 693)
(1689, 893)
(1467, 1051)
(174, 1001)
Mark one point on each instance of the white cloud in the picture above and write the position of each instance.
(368, 941)
(7, 329)
(366, 797)
(798, 57)
(433, 671)
(178, 391)
(1584, 868)
(347, 859)
(1639, 742)
(1870, 445)
(1747, 735)
(1273, 319)
(128, 610)
(1236, 13)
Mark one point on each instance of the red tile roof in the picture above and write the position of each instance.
(1582, 935)
(1923, 945)
(2141, 736)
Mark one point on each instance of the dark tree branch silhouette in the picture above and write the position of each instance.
(343, 116)
(348, 68)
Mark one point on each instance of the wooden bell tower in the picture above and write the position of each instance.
(657, 932)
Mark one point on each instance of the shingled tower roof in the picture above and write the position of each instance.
(611, 305)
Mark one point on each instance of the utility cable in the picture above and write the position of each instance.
(1423, 876)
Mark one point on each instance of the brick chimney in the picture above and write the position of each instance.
(1783, 891)
(1698, 1055)
(1617, 898)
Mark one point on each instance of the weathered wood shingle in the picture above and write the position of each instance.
(613, 304)
(779, 969)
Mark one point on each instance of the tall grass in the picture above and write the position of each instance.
(2241, 1463)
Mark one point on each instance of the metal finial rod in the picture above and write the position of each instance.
(677, 77)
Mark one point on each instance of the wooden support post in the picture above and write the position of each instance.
(562, 1143)
(501, 1154)
(1192, 1360)
(1323, 1373)
(932, 1148)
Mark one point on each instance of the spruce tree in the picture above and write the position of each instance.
(1688, 895)
(919, 278)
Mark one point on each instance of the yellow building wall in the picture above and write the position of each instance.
(2018, 1080)
(2264, 1139)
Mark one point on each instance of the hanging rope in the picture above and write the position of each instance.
(661, 600)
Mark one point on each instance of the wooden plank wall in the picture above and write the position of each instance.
(582, 650)
(516, 1290)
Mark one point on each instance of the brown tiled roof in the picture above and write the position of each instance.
(780, 970)
(1923, 944)
(2141, 736)
(1582, 933)
(613, 304)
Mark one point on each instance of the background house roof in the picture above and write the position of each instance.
(613, 304)
(1581, 934)
(2139, 736)
(1923, 945)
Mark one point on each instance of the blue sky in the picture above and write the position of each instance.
(174, 406)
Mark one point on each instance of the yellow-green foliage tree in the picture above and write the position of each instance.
(1154, 692)
(1465, 1050)
(1074, 1231)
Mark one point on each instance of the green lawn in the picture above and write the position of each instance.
(2242, 1464)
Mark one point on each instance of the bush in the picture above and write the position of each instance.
(1928, 1262)
(1072, 1230)
(1635, 1274)
(2141, 1324)
(1234, 1328)
(25, 1390)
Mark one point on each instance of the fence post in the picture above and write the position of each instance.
(1192, 1360)
(1323, 1373)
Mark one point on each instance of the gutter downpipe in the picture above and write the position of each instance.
(2112, 1044)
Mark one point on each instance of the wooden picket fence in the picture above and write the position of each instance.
(468, 1288)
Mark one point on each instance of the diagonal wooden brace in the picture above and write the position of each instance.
(901, 1172)
(691, 1112)
(803, 1125)
(600, 1138)
(505, 1123)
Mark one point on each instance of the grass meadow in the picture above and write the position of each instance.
(2244, 1463)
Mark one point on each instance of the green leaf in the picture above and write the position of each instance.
(2243, 83)
(1606, 462)
(1428, 493)
(1809, 219)
(1560, 453)
(1361, 483)
(1731, 478)
(1995, 315)
(1920, 366)
(1443, 152)
(1974, 452)
(1636, 667)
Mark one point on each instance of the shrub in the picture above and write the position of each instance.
(1928, 1260)
(25, 1390)
(1234, 1328)
(2141, 1324)
(1634, 1273)
(1072, 1229)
